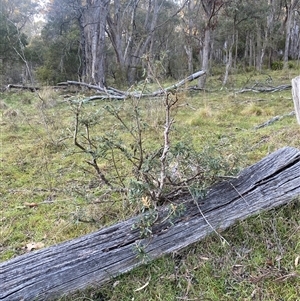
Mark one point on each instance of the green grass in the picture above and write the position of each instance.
(48, 192)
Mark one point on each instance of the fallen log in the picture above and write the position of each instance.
(258, 89)
(96, 258)
(113, 93)
(274, 119)
(30, 88)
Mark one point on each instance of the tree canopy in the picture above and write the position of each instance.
(116, 41)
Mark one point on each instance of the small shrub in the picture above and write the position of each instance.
(252, 110)
(203, 113)
(291, 65)
(277, 65)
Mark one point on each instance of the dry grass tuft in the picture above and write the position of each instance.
(11, 113)
(3, 105)
(201, 115)
(49, 97)
(252, 110)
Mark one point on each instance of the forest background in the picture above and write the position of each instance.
(113, 42)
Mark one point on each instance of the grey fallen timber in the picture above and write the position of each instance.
(96, 258)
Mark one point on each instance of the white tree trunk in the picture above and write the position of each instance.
(189, 53)
(228, 62)
(93, 24)
(288, 26)
(205, 57)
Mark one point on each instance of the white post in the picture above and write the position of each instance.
(296, 96)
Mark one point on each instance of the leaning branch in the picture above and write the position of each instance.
(112, 93)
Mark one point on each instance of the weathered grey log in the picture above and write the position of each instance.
(96, 258)
(30, 88)
(296, 96)
(274, 119)
(257, 89)
(112, 93)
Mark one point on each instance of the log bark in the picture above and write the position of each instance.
(296, 96)
(96, 258)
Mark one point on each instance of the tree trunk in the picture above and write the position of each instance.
(188, 34)
(289, 18)
(250, 50)
(205, 57)
(236, 49)
(93, 259)
(131, 46)
(211, 9)
(287, 38)
(93, 24)
(189, 53)
(228, 62)
(295, 41)
(122, 43)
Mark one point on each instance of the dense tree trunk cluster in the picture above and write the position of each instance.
(97, 41)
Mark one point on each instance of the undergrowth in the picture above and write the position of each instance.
(49, 193)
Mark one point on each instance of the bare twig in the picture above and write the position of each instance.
(93, 162)
(207, 221)
(169, 103)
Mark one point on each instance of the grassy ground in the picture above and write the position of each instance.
(48, 193)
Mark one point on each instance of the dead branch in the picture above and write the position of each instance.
(112, 93)
(274, 119)
(30, 88)
(86, 150)
(169, 103)
(260, 89)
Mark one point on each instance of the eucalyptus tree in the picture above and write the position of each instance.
(190, 32)
(199, 21)
(131, 26)
(57, 48)
(14, 15)
(79, 26)
(243, 33)
(136, 29)
(92, 20)
(292, 8)
(127, 27)
(211, 11)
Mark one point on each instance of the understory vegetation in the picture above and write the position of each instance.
(69, 168)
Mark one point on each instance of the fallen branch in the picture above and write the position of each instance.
(112, 93)
(257, 89)
(30, 88)
(274, 119)
(96, 258)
